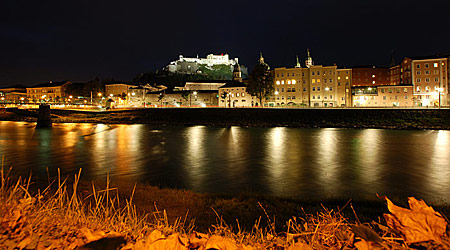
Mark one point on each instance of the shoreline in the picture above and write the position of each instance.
(399, 119)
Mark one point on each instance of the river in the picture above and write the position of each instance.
(284, 162)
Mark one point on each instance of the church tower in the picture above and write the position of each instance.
(298, 63)
(309, 61)
(237, 75)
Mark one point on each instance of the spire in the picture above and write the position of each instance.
(237, 76)
(392, 59)
(309, 61)
(261, 58)
(297, 65)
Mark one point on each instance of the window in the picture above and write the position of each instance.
(314, 89)
(405, 90)
(373, 76)
(304, 89)
(278, 82)
(331, 80)
(324, 80)
(243, 94)
(282, 75)
(418, 89)
(406, 97)
(287, 74)
(418, 66)
(339, 78)
(289, 81)
(373, 82)
(282, 89)
(293, 97)
(418, 72)
(427, 79)
(318, 80)
(331, 96)
(313, 73)
(237, 94)
(384, 97)
(346, 78)
(427, 72)
(427, 65)
(293, 89)
(288, 90)
(318, 73)
(313, 80)
(318, 88)
(282, 82)
(418, 80)
(390, 90)
(318, 97)
(436, 79)
(427, 88)
(314, 97)
(382, 90)
(294, 82)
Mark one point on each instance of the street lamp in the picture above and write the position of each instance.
(439, 90)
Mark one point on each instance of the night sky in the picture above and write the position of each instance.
(79, 40)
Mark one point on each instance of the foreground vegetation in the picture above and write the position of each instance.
(68, 215)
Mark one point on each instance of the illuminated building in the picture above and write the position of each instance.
(313, 86)
(13, 94)
(190, 65)
(47, 92)
(383, 96)
(370, 76)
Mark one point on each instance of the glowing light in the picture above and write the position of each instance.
(99, 94)
(276, 92)
(203, 105)
(327, 88)
(294, 82)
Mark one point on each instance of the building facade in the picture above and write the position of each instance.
(52, 92)
(389, 96)
(370, 76)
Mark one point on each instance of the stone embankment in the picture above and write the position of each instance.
(254, 117)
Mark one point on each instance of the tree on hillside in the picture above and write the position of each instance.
(261, 81)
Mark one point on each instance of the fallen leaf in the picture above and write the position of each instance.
(220, 243)
(173, 242)
(417, 224)
(299, 246)
(366, 233)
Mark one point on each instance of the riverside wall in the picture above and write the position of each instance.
(268, 117)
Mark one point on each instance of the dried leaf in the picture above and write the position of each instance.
(366, 233)
(173, 242)
(417, 224)
(220, 243)
(299, 246)
(198, 241)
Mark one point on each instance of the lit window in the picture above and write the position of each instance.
(346, 77)
(373, 76)
(339, 78)
(278, 82)
(294, 82)
(427, 65)
(318, 80)
(243, 94)
(313, 80)
(435, 65)
(289, 81)
(282, 82)
(373, 82)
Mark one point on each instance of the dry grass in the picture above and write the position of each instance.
(62, 217)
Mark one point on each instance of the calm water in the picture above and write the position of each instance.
(287, 162)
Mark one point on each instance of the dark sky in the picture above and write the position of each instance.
(79, 40)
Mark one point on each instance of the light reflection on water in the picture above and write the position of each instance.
(288, 162)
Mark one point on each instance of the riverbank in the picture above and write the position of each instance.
(252, 117)
(73, 214)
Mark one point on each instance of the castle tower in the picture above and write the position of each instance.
(309, 61)
(297, 65)
(237, 75)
